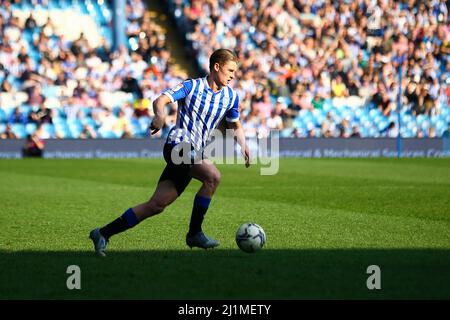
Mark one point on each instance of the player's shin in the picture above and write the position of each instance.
(201, 205)
(126, 221)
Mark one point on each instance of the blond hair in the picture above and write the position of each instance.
(222, 56)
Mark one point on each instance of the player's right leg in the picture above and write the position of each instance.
(164, 195)
(209, 175)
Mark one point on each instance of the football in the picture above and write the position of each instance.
(250, 237)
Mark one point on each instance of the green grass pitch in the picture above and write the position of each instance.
(326, 221)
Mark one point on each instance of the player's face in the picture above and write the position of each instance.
(226, 72)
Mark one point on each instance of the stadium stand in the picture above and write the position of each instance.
(331, 66)
(309, 69)
(59, 76)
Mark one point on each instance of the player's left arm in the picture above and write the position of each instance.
(232, 117)
(240, 136)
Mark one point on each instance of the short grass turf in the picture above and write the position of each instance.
(326, 220)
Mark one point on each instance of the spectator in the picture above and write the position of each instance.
(390, 131)
(274, 122)
(17, 117)
(34, 147)
(131, 85)
(350, 48)
(355, 132)
(88, 133)
(41, 115)
(8, 134)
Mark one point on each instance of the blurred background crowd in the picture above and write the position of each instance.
(308, 68)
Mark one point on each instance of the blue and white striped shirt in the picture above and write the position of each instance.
(200, 110)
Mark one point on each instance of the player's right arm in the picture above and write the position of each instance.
(159, 109)
(168, 96)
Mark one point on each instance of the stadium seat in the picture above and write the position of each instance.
(19, 130)
(144, 123)
(135, 129)
(30, 128)
(285, 133)
(108, 135)
(3, 116)
(87, 121)
(49, 129)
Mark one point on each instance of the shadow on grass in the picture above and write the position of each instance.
(227, 274)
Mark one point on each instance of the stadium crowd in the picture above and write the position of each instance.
(71, 89)
(298, 55)
(309, 69)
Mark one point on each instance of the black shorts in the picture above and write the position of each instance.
(178, 172)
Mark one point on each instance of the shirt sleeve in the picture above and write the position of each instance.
(232, 115)
(180, 91)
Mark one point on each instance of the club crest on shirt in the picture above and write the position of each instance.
(178, 87)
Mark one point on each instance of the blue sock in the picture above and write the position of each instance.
(130, 217)
(126, 221)
(201, 205)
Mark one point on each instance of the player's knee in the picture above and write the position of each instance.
(156, 206)
(213, 180)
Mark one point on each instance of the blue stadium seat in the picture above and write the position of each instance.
(82, 7)
(383, 124)
(25, 109)
(285, 133)
(49, 129)
(441, 126)
(65, 4)
(58, 120)
(99, 13)
(27, 36)
(75, 128)
(298, 122)
(364, 132)
(135, 129)
(420, 119)
(107, 33)
(62, 129)
(52, 5)
(410, 124)
(108, 135)
(50, 91)
(19, 130)
(90, 122)
(425, 125)
(374, 113)
(74, 122)
(327, 105)
(373, 132)
(87, 112)
(30, 127)
(3, 115)
(144, 123)
(26, 5)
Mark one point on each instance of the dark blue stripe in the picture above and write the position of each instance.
(211, 106)
(191, 107)
(213, 125)
(205, 128)
(202, 106)
(184, 110)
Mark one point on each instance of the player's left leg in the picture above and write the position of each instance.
(165, 193)
(209, 175)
